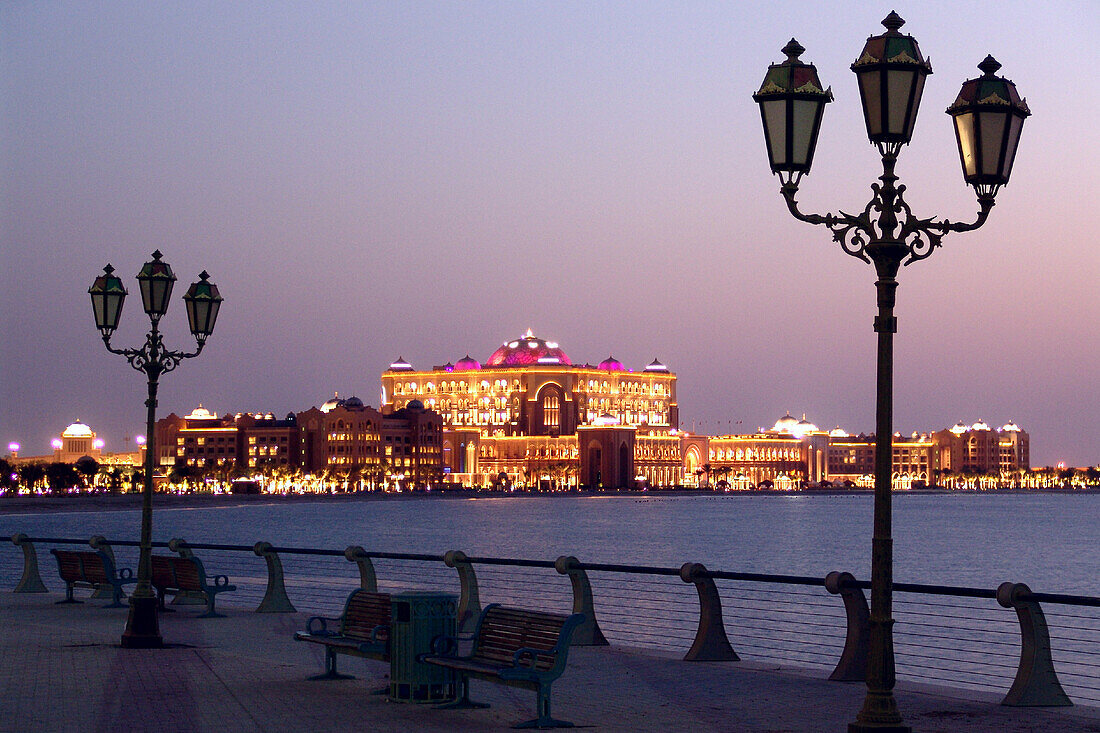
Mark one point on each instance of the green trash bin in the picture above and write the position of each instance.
(417, 618)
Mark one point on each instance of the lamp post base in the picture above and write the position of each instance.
(142, 626)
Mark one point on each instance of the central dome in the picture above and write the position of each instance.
(78, 430)
(528, 350)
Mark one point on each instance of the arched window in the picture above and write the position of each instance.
(551, 411)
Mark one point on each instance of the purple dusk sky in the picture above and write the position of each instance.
(368, 180)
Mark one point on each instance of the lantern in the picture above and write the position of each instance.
(156, 279)
(891, 73)
(989, 116)
(108, 294)
(203, 301)
(791, 103)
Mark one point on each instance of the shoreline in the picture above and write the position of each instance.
(132, 501)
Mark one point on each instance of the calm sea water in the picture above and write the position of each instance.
(1050, 541)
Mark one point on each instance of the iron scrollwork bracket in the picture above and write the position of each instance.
(853, 233)
(921, 237)
(879, 220)
(152, 359)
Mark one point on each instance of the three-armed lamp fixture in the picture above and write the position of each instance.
(988, 114)
(108, 296)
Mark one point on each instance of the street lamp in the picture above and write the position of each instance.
(988, 115)
(153, 359)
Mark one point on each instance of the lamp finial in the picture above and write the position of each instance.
(989, 65)
(893, 22)
(793, 50)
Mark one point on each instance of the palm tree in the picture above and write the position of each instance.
(32, 474)
(61, 476)
(9, 477)
(114, 480)
(87, 467)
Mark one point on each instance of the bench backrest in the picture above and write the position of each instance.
(502, 631)
(68, 565)
(189, 574)
(179, 573)
(163, 575)
(95, 568)
(83, 566)
(364, 612)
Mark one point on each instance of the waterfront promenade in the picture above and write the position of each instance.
(64, 671)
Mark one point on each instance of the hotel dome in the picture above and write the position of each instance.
(785, 424)
(201, 413)
(527, 350)
(78, 430)
(466, 363)
(611, 364)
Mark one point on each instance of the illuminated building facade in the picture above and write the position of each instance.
(530, 387)
(79, 441)
(530, 415)
(980, 449)
(75, 442)
(343, 434)
(406, 444)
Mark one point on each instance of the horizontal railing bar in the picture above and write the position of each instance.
(920, 588)
(765, 578)
(1062, 598)
(511, 561)
(633, 569)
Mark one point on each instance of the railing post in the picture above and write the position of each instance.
(469, 602)
(31, 582)
(711, 643)
(367, 579)
(99, 542)
(1036, 683)
(275, 599)
(852, 666)
(588, 633)
(179, 546)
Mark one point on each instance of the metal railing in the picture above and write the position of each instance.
(1046, 653)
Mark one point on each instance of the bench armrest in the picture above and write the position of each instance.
(532, 655)
(378, 631)
(445, 646)
(125, 574)
(318, 626)
(221, 580)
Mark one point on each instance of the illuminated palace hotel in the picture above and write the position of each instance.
(530, 416)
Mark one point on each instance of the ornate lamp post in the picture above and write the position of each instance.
(988, 116)
(152, 359)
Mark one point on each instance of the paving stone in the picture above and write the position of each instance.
(64, 671)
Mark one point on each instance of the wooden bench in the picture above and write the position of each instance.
(91, 569)
(363, 630)
(187, 574)
(515, 647)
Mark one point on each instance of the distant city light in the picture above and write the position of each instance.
(140, 439)
(97, 444)
(56, 443)
(13, 447)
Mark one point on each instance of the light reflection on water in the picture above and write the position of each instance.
(1046, 540)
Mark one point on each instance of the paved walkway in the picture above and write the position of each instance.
(62, 670)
